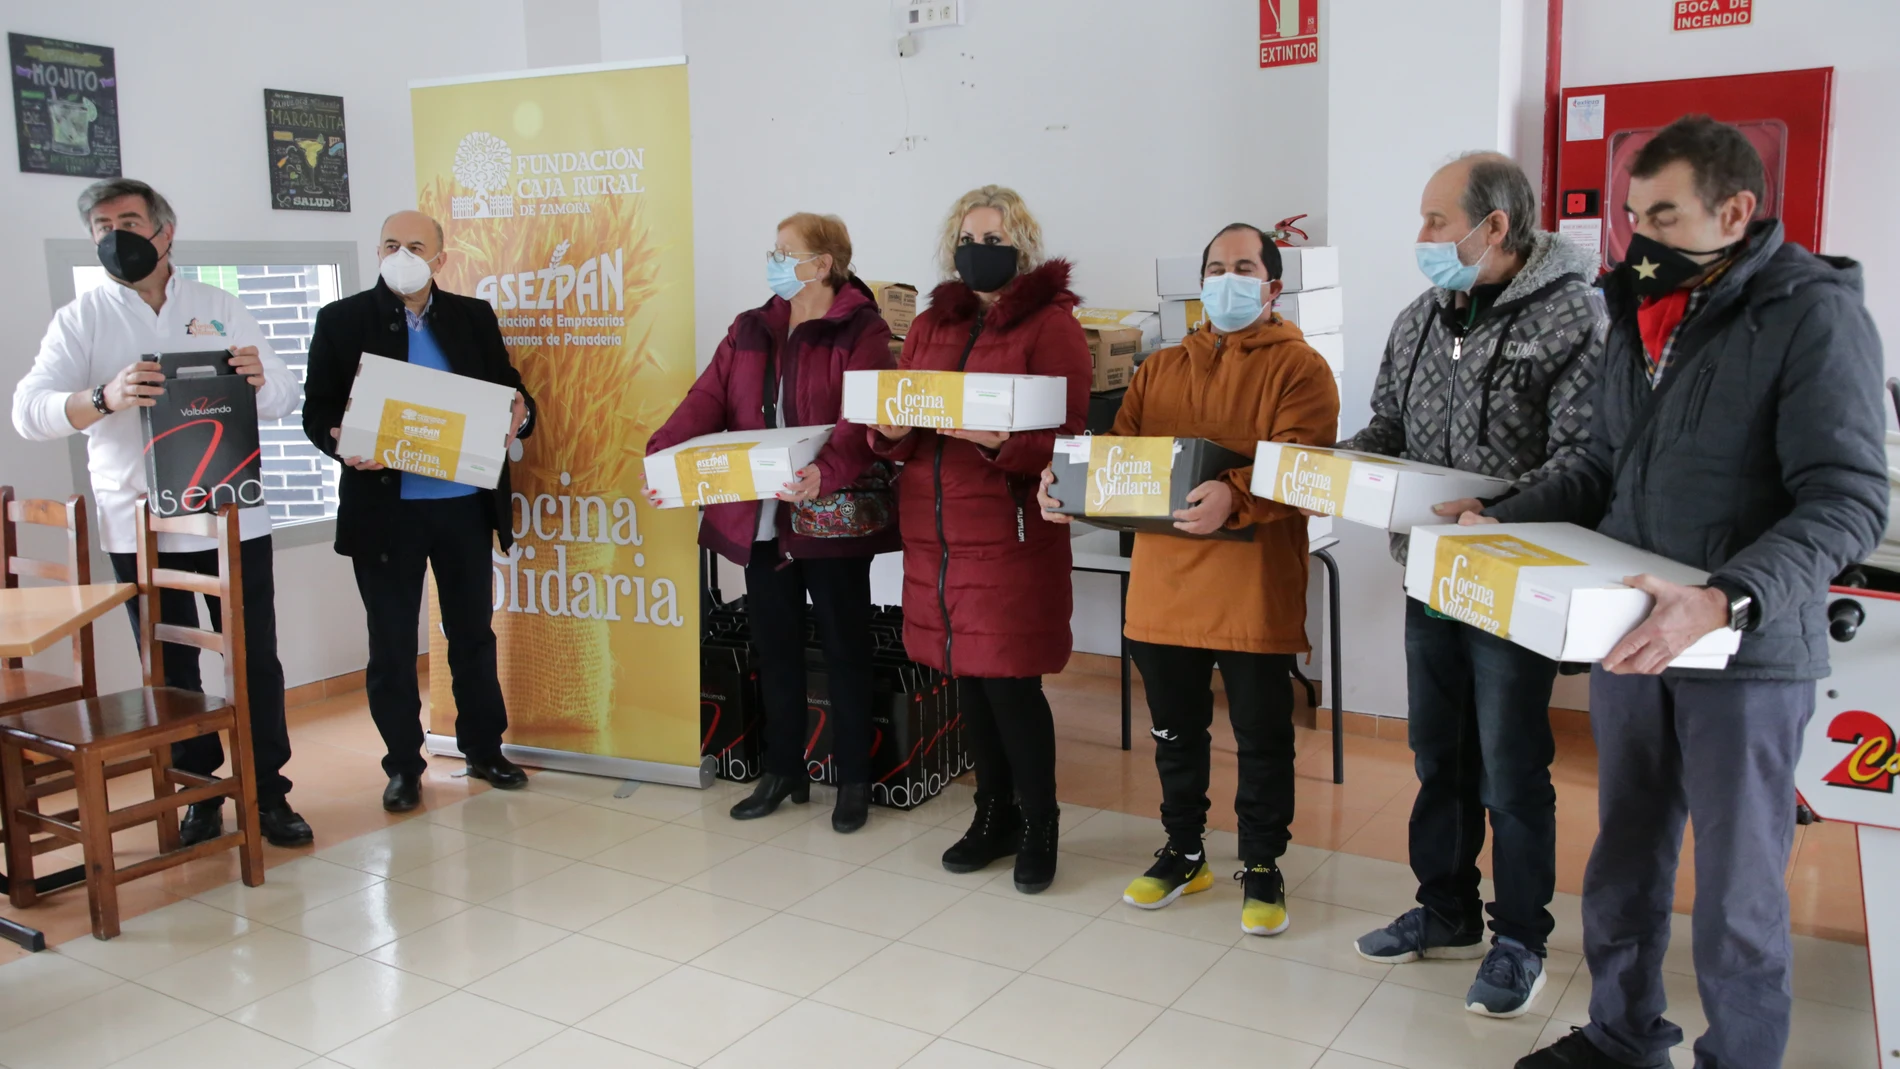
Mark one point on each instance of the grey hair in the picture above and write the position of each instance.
(156, 206)
(1495, 183)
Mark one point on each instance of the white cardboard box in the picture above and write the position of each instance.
(1333, 348)
(1313, 311)
(1384, 492)
(1178, 277)
(1553, 588)
(955, 399)
(1309, 267)
(458, 433)
(1178, 318)
(714, 469)
(1127, 318)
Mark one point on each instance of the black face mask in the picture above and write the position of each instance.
(127, 256)
(986, 268)
(1656, 270)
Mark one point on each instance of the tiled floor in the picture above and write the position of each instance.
(562, 927)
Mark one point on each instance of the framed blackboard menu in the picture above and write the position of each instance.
(309, 159)
(65, 106)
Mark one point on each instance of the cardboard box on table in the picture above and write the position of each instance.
(1554, 588)
(1137, 484)
(1179, 317)
(956, 400)
(1123, 319)
(201, 440)
(1384, 492)
(1113, 352)
(897, 303)
(1313, 311)
(427, 422)
(714, 469)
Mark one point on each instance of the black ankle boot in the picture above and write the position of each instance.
(1036, 860)
(994, 834)
(772, 790)
(852, 808)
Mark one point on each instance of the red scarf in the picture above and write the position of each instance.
(1657, 318)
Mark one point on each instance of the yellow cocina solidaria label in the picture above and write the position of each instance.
(1129, 476)
(1474, 577)
(920, 398)
(419, 439)
(1313, 479)
(716, 474)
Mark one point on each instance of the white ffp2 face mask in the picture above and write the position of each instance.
(405, 272)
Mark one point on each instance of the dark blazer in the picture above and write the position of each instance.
(372, 322)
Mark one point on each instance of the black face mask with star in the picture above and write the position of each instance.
(1655, 269)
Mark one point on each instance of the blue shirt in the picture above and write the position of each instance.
(424, 352)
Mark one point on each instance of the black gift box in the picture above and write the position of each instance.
(1196, 460)
(730, 717)
(201, 441)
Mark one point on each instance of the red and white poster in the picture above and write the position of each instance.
(1289, 32)
(1712, 14)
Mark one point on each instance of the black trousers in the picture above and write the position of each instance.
(452, 536)
(1179, 681)
(263, 675)
(840, 589)
(1012, 737)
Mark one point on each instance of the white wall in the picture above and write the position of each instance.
(191, 81)
(1612, 41)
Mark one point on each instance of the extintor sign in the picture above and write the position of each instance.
(1289, 32)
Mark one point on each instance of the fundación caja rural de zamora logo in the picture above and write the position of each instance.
(483, 164)
(494, 183)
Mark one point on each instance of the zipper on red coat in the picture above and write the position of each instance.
(943, 543)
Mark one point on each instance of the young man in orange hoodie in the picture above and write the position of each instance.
(1245, 377)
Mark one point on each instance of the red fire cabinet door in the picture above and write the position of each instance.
(1785, 114)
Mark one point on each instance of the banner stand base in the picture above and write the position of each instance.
(590, 764)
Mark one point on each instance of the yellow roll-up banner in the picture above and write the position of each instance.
(567, 201)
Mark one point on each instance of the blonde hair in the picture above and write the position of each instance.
(824, 235)
(1020, 226)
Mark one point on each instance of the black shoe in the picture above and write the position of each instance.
(204, 821)
(498, 771)
(1575, 1051)
(995, 833)
(1036, 858)
(772, 790)
(403, 793)
(852, 809)
(282, 826)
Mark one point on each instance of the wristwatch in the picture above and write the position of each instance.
(99, 401)
(1741, 604)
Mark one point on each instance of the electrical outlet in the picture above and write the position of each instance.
(932, 14)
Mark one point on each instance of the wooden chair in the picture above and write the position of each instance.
(20, 687)
(99, 737)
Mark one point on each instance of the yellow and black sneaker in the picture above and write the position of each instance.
(1174, 873)
(1264, 910)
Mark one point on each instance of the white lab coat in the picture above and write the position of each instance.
(98, 334)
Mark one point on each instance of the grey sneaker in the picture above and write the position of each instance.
(1508, 981)
(1419, 934)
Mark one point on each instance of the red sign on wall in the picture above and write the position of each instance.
(1713, 14)
(1289, 32)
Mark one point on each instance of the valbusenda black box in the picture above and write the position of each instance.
(1137, 484)
(201, 442)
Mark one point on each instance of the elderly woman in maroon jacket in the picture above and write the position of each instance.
(986, 578)
(782, 365)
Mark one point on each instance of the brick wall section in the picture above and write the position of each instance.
(299, 482)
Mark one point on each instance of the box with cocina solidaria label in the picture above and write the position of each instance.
(1137, 484)
(716, 469)
(1313, 311)
(459, 433)
(956, 400)
(1553, 588)
(1384, 492)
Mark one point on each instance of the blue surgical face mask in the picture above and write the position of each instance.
(1232, 302)
(781, 273)
(1440, 262)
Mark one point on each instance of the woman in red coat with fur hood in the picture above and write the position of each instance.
(986, 578)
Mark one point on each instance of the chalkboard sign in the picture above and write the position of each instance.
(65, 107)
(309, 159)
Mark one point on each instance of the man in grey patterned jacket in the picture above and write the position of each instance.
(1491, 370)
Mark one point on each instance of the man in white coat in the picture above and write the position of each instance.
(89, 378)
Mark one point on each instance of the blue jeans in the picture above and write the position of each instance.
(1479, 729)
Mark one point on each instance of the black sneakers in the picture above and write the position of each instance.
(995, 833)
(1575, 1051)
(1176, 872)
(1036, 854)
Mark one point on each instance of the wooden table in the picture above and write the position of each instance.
(35, 618)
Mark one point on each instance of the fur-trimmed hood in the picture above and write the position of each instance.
(1024, 296)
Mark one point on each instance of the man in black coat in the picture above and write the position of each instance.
(1740, 425)
(394, 524)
